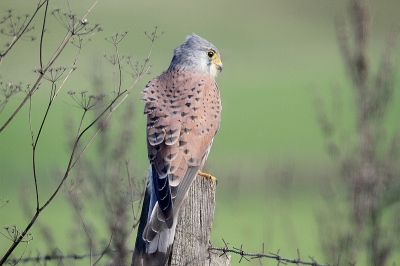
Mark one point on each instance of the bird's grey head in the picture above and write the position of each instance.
(197, 54)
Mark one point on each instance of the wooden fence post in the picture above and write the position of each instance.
(194, 227)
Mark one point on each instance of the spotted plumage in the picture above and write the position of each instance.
(183, 109)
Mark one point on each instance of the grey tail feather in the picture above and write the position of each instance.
(140, 244)
(157, 251)
(162, 191)
(157, 258)
(152, 259)
(149, 253)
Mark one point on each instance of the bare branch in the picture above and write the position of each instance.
(21, 31)
(78, 28)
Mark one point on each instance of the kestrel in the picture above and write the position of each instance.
(183, 111)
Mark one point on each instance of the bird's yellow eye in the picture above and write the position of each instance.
(211, 54)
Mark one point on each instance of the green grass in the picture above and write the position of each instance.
(273, 53)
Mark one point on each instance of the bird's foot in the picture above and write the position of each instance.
(208, 176)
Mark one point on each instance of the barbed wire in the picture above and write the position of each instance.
(247, 256)
(224, 251)
(62, 256)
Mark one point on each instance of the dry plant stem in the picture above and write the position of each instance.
(41, 74)
(39, 210)
(119, 68)
(60, 48)
(53, 94)
(136, 219)
(18, 36)
(78, 210)
(367, 167)
(105, 250)
(111, 108)
(42, 34)
(124, 93)
(34, 145)
(70, 164)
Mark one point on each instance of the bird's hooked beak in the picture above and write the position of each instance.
(218, 63)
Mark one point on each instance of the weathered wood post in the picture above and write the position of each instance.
(194, 227)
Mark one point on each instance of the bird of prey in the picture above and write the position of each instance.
(183, 110)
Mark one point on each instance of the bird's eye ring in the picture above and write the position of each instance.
(211, 54)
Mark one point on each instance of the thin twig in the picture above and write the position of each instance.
(42, 35)
(106, 250)
(118, 100)
(42, 71)
(77, 208)
(18, 36)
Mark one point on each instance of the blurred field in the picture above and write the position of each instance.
(273, 53)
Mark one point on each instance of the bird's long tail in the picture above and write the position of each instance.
(156, 233)
(154, 239)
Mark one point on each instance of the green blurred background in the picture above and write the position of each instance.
(269, 154)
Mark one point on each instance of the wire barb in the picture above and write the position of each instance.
(246, 255)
